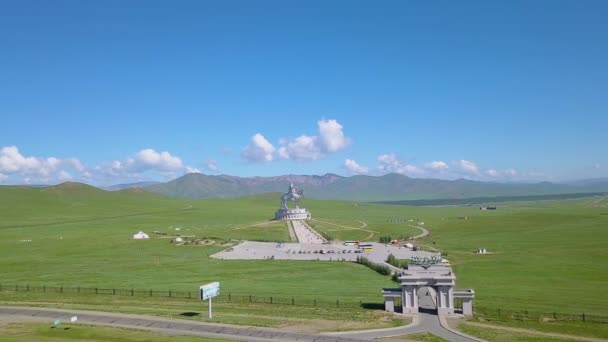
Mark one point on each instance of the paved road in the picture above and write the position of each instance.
(424, 233)
(423, 322)
(162, 325)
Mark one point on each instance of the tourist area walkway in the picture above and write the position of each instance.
(305, 234)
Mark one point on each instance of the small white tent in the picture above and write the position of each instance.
(141, 235)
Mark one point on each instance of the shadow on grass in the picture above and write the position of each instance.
(373, 306)
(189, 314)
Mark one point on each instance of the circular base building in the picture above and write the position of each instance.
(292, 214)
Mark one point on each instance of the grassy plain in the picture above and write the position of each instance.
(40, 332)
(544, 256)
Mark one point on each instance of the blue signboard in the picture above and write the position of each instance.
(209, 290)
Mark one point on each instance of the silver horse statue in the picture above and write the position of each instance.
(294, 195)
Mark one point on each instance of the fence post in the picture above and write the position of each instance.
(189, 294)
(337, 303)
(499, 312)
(583, 317)
(249, 298)
(150, 293)
(132, 293)
(16, 288)
(170, 294)
(554, 315)
(96, 292)
(270, 300)
(61, 289)
(292, 302)
(229, 296)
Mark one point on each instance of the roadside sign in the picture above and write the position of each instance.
(209, 290)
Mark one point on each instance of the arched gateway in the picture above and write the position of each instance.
(428, 272)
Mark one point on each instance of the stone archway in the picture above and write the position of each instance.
(427, 299)
(438, 280)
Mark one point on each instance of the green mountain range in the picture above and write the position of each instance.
(362, 188)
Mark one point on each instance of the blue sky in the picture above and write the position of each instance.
(118, 91)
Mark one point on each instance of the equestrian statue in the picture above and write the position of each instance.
(294, 195)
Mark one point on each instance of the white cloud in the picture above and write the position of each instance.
(597, 166)
(304, 147)
(12, 161)
(150, 159)
(211, 165)
(391, 163)
(260, 149)
(332, 137)
(437, 166)
(493, 173)
(3, 178)
(355, 168)
(133, 167)
(467, 167)
(190, 169)
(508, 173)
(36, 169)
(64, 176)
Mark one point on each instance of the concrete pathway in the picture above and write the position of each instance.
(424, 233)
(305, 234)
(162, 325)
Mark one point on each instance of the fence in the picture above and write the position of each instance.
(223, 297)
(526, 315)
(229, 297)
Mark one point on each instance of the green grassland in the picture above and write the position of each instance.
(18, 332)
(545, 256)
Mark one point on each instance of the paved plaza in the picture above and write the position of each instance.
(314, 251)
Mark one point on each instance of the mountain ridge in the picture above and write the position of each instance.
(392, 186)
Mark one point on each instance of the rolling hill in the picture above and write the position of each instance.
(360, 188)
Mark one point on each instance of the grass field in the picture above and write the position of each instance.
(545, 256)
(25, 332)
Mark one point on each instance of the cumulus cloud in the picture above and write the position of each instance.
(36, 169)
(190, 169)
(259, 150)
(64, 176)
(303, 147)
(143, 161)
(437, 166)
(507, 173)
(467, 166)
(211, 165)
(331, 139)
(150, 159)
(391, 163)
(355, 168)
(12, 161)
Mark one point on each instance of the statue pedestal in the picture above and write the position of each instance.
(292, 214)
